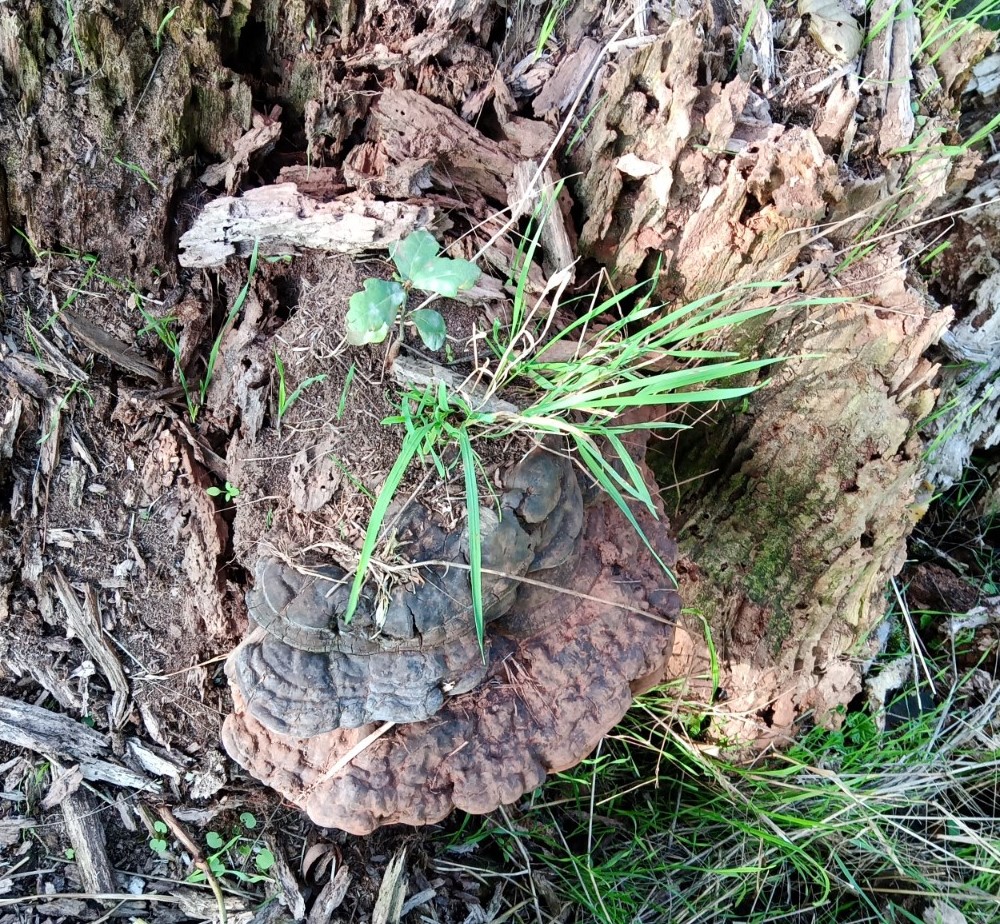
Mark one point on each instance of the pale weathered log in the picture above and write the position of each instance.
(281, 219)
(86, 835)
(49, 733)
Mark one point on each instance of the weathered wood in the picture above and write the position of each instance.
(84, 622)
(257, 142)
(416, 137)
(409, 371)
(49, 733)
(792, 538)
(111, 348)
(86, 835)
(888, 70)
(281, 219)
(971, 389)
(794, 512)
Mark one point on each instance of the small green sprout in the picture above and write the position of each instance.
(227, 855)
(231, 492)
(375, 310)
(285, 400)
(137, 170)
(158, 844)
(71, 19)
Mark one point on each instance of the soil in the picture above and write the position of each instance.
(123, 581)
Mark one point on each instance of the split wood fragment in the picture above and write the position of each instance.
(111, 348)
(282, 220)
(86, 834)
(50, 733)
(84, 622)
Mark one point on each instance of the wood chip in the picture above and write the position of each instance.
(562, 87)
(389, 904)
(265, 132)
(11, 829)
(84, 622)
(63, 786)
(117, 352)
(330, 898)
(289, 883)
(539, 200)
(405, 127)
(85, 830)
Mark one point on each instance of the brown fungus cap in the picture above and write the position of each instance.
(398, 659)
(563, 669)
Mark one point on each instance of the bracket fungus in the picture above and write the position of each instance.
(580, 618)
(577, 611)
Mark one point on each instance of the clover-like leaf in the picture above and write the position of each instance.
(373, 311)
(214, 840)
(445, 276)
(413, 251)
(430, 326)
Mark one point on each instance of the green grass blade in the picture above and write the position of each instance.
(475, 535)
(595, 465)
(392, 482)
(213, 356)
(342, 404)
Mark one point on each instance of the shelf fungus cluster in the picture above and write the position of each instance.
(578, 619)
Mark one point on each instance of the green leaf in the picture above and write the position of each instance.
(445, 276)
(248, 820)
(214, 840)
(413, 252)
(160, 827)
(264, 860)
(430, 326)
(158, 845)
(213, 492)
(373, 311)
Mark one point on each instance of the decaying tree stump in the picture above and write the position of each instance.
(794, 510)
(767, 165)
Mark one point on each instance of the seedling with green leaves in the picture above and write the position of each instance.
(158, 844)
(230, 493)
(285, 400)
(374, 311)
(228, 855)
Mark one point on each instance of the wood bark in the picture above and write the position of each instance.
(795, 508)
